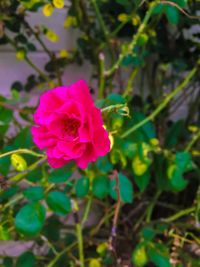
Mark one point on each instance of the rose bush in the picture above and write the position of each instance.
(69, 126)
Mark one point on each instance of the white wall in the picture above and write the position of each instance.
(12, 69)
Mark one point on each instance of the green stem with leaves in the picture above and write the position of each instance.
(28, 61)
(132, 45)
(179, 215)
(152, 205)
(79, 233)
(163, 104)
(193, 141)
(32, 167)
(102, 26)
(22, 151)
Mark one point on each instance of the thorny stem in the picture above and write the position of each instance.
(59, 255)
(152, 205)
(51, 54)
(116, 214)
(133, 43)
(163, 104)
(32, 167)
(193, 141)
(102, 78)
(103, 26)
(87, 210)
(113, 108)
(21, 151)
(130, 82)
(178, 215)
(78, 233)
(30, 63)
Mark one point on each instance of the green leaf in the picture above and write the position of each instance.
(182, 160)
(27, 259)
(159, 256)
(35, 175)
(148, 233)
(60, 175)
(177, 181)
(174, 133)
(34, 193)
(103, 164)
(4, 233)
(59, 203)
(100, 188)
(7, 194)
(158, 9)
(142, 181)
(115, 99)
(125, 188)
(179, 167)
(30, 219)
(82, 186)
(23, 139)
(181, 3)
(144, 133)
(172, 14)
(7, 262)
(139, 256)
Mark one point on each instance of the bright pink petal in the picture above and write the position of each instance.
(101, 142)
(41, 137)
(79, 91)
(71, 150)
(88, 156)
(56, 163)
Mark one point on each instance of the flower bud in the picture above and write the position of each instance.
(139, 167)
(139, 257)
(18, 162)
(94, 263)
(59, 3)
(47, 10)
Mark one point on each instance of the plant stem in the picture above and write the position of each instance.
(41, 73)
(134, 41)
(80, 243)
(21, 151)
(32, 167)
(103, 26)
(87, 210)
(116, 214)
(130, 82)
(178, 215)
(53, 262)
(112, 108)
(78, 233)
(36, 68)
(152, 205)
(163, 104)
(192, 141)
(101, 78)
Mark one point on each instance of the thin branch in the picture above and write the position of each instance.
(163, 104)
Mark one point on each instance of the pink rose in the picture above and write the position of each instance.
(69, 126)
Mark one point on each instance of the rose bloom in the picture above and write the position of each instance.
(69, 126)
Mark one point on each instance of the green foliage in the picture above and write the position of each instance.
(125, 189)
(60, 175)
(100, 187)
(34, 193)
(59, 203)
(30, 219)
(27, 259)
(82, 187)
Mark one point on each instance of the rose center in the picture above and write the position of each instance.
(71, 127)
